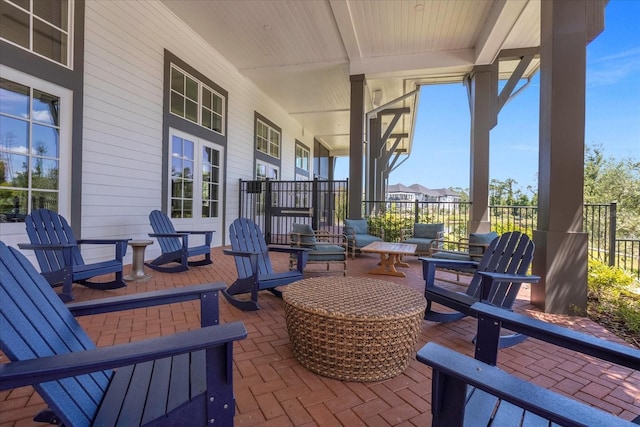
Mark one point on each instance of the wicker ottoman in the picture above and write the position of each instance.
(353, 328)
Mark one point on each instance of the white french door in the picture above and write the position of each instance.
(196, 181)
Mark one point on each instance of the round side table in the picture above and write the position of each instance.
(137, 265)
(353, 328)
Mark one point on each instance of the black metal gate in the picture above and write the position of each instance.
(276, 205)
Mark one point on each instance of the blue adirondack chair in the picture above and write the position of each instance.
(175, 245)
(182, 380)
(253, 264)
(59, 257)
(509, 255)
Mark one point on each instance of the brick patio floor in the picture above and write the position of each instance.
(272, 388)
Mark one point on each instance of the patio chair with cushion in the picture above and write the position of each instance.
(427, 237)
(325, 248)
(357, 233)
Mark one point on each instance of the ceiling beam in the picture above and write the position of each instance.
(383, 66)
(342, 15)
(502, 17)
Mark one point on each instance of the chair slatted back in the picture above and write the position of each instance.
(160, 223)
(245, 235)
(36, 323)
(511, 253)
(47, 227)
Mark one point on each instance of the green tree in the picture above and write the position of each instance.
(607, 179)
(506, 193)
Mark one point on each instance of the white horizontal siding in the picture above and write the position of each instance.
(123, 95)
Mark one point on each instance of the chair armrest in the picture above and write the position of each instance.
(350, 232)
(103, 241)
(453, 370)
(35, 371)
(295, 239)
(288, 249)
(196, 232)
(145, 299)
(587, 344)
(46, 246)
(168, 234)
(449, 263)
(325, 237)
(240, 253)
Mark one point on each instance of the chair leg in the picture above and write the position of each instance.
(103, 286)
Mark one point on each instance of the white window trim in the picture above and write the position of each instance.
(65, 122)
(200, 106)
(70, 32)
(308, 156)
(274, 130)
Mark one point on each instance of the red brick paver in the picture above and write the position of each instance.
(273, 389)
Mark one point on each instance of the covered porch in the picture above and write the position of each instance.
(272, 388)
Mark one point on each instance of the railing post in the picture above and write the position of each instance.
(415, 214)
(315, 203)
(613, 207)
(267, 211)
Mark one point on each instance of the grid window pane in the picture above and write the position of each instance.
(49, 42)
(45, 108)
(206, 97)
(44, 200)
(176, 208)
(15, 99)
(46, 141)
(197, 103)
(15, 25)
(177, 104)
(43, 29)
(22, 3)
(267, 139)
(191, 111)
(217, 104)
(217, 124)
(14, 135)
(177, 81)
(206, 119)
(29, 150)
(44, 173)
(191, 89)
(52, 11)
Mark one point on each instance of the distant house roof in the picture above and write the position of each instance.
(400, 188)
(421, 189)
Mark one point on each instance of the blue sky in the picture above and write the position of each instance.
(440, 155)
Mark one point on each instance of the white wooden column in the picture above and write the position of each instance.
(483, 93)
(561, 244)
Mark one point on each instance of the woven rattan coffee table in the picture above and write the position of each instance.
(353, 328)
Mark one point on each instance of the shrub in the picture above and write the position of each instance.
(605, 277)
(611, 299)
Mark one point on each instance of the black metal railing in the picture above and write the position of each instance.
(388, 217)
(275, 205)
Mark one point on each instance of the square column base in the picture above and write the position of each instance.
(561, 260)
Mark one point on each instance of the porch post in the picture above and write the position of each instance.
(483, 94)
(561, 244)
(356, 136)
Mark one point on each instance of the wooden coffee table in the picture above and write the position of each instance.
(390, 256)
